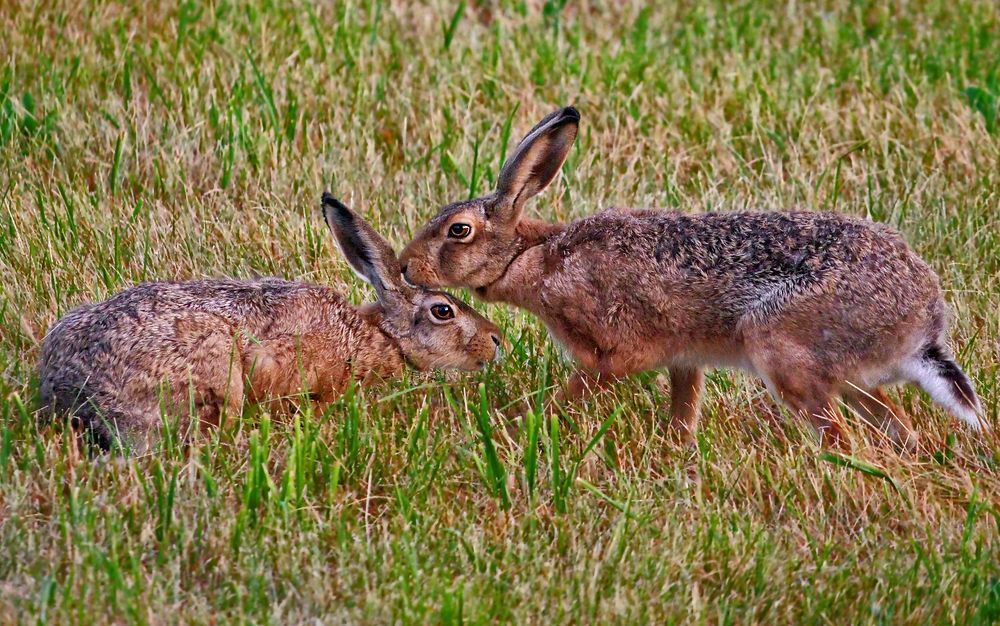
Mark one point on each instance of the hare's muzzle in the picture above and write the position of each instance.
(497, 355)
(497, 342)
(406, 276)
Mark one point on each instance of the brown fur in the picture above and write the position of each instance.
(208, 346)
(811, 302)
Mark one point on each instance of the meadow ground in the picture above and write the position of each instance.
(142, 140)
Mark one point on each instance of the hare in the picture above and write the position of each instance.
(818, 305)
(207, 345)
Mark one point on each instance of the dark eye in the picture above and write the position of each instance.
(442, 312)
(459, 230)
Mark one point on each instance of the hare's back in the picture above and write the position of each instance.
(737, 265)
(148, 331)
(750, 244)
(263, 307)
(239, 302)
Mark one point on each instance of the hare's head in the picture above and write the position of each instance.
(472, 243)
(432, 328)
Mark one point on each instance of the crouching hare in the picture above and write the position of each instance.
(818, 305)
(205, 346)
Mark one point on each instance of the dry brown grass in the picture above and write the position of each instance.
(175, 141)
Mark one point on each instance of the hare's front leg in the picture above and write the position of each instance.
(686, 384)
(582, 384)
(585, 382)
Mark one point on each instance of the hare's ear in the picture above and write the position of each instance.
(369, 254)
(536, 161)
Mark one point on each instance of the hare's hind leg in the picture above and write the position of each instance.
(213, 377)
(810, 396)
(220, 389)
(795, 379)
(686, 384)
(281, 368)
(876, 408)
(226, 393)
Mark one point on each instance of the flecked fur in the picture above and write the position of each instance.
(202, 347)
(819, 305)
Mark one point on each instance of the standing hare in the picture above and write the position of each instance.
(205, 345)
(819, 305)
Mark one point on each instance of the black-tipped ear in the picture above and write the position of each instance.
(369, 255)
(536, 160)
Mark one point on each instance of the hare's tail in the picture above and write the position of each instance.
(101, 425)
(939, 375)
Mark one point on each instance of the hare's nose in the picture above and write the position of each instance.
(406, 277)
(498, 352)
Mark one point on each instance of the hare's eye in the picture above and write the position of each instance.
(442, 312)
(459, 230)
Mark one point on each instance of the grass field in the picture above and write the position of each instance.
(144, 142)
